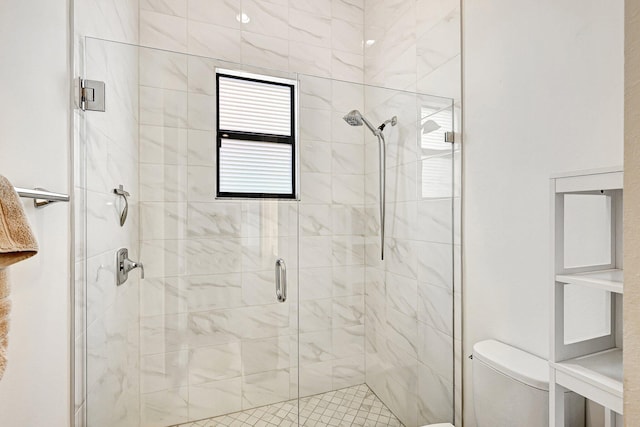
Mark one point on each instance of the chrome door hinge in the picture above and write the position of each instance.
(91, 95)
(450, 137)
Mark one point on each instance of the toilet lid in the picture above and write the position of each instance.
(513, 362)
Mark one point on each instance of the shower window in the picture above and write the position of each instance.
(255, 136)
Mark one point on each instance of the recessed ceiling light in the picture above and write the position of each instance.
(370, 42)
(243, 17)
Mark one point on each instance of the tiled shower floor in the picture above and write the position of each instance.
(353, 406)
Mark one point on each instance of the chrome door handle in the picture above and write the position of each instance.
(281, 280)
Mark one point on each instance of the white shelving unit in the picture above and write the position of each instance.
(592, 365)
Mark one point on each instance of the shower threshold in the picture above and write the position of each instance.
(351, 406)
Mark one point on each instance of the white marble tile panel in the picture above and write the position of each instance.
(349, 10)
(431, 12)
(443, 81)
(162, 220)
(348, 311)
(315, 251)
(347, 158)
(348, 280)
(162, 183)
(202, 183)
(218, 12)
(261, 254)
(315, 92)
(167, 7)
(266, 18)
(265, 51)
(265, 388)
(201, 148)
(163, 371)
(211, 292)
(348, 341)
(163, 107)
(402, 332)
(435, 307)
(117, 20)
(308, 59)
(316, 188)
(163, 145)
(315, 156)
(213, 256)
(435, 349)
(315, 378)
(401, 257)
(162, 69)
(202, 112)
(315, 283)
(348, 250)
(315, 315)
(215, 398)
(440, 44)
(262, 218)
(160, 334)
(310, 29)
(435, 264)
(216, 219)
(348, 372)
(435, 397)
(402, 294)
(316, 7)
(347, 189)
(214, 363)
(315, 220)
(201, 75)
(214, 41)
(347, 36)
(315, 124)
(436, 220)
(162, 31)
(262, 321)
(346, 96)
(315, 347)
(163, 258)
(163, 295)
(266, 355)
(352, 220)
(258, 287)
(165, 407)
(211, 328)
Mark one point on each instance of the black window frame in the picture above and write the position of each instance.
(254, 136)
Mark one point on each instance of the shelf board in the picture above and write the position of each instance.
(597, 377)
(607, 280)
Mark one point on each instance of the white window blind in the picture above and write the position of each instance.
(255, 167)
(254, 106)
(255, 138)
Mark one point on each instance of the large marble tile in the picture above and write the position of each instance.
(316, 188)
(217, 219)
(162, 69)
(348, 311)
(347, 159)
(315, 92)
(265, 388)
(315, 220)
(347, 188)
(348, 341)
(316, 7)
(435, 397)
(435, 264)
(162, 183)
(213, 256)
(214, 41)
(214, 363)
(258, 287)
(435, 307)
(315, 347)
(262, 50)
(210, 328)
(315, 156)
(160, 334)
(435, 350)
(268, 354)
(163, 145)
(168, 7)
(315, 283)
(162, 31)
(163, 258)
(308, 59)
(402, 294)
(315, 251)
(348, 280)
(215, 398)
(163, 220)
(316, 378)
(215, 291)
(266, 18)
(218, 12)
(201, 77)
(201, 111)
(162, 295)
(310, 29)
(165, 407)
(163, 371)
(347, 372)
(315, 315)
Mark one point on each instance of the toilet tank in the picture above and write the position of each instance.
(511, 388)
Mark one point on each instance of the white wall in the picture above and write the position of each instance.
(543, 93)
(34, 151)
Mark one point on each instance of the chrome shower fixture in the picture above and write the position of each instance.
(355, 118)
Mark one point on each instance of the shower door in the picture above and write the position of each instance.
(204, 334)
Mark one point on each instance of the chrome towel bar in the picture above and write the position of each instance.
(41, 196)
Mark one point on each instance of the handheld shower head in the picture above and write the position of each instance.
(355, 118)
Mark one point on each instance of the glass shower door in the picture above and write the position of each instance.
(203, 334)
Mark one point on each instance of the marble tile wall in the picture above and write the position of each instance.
(409, 295)
(320, 37)
(105, 316)
(415, 45)
(213, 338)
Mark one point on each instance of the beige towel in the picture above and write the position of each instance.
(16, 243)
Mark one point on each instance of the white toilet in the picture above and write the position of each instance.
(511, 388)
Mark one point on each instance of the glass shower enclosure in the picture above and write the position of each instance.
(359, 340)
